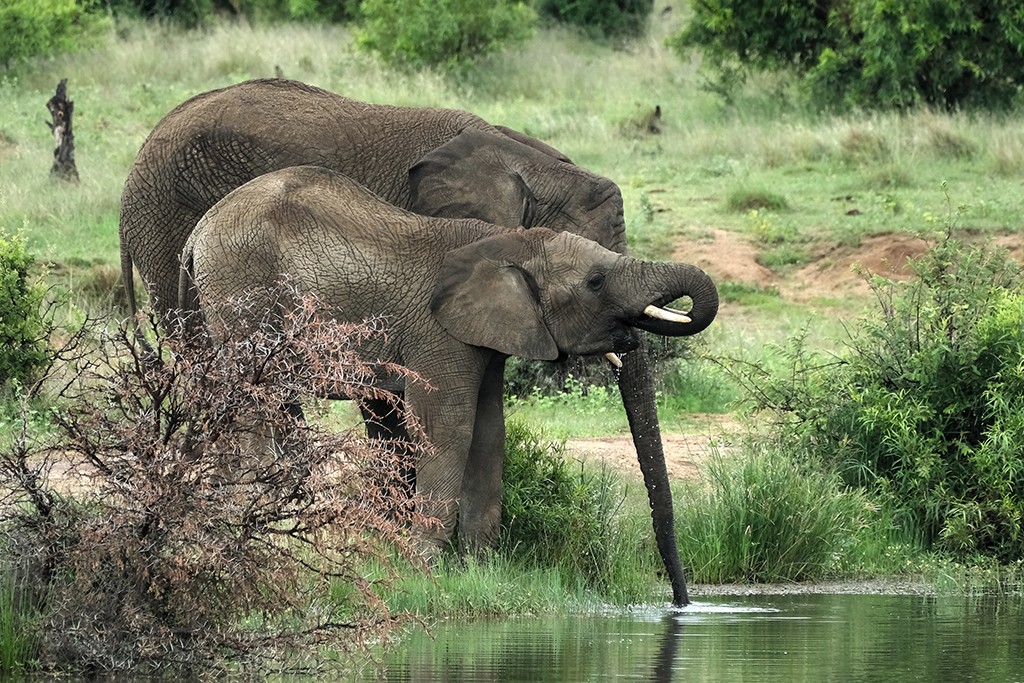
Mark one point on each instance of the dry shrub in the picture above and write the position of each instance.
(163, 531)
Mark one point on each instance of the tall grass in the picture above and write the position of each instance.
(17, 644)
(762, 517)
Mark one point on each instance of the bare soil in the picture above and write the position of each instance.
(834, 272)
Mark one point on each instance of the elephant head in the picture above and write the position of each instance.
(505, 180)
(541, 295)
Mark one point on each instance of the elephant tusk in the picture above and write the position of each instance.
(669, 314)
(614, 359)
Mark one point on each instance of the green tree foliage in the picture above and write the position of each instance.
(30, 28)
(193, 13)
(926, 406)
(415, 33)
(607, 18)
(873, 53)
(23, 332)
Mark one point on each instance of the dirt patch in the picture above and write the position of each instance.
(730, 257)
(684, 453)
(834, 271)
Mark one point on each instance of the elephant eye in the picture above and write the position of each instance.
(595, 281)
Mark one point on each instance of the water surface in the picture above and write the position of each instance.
(748, 638)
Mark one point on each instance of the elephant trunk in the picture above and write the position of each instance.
(638, 399)
(662, 284)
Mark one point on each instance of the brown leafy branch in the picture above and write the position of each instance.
(189, 522)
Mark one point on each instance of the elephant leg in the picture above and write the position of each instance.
(385, 423)
(638, 399)
(480, 504)
(447, 415)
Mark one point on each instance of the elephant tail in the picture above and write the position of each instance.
(128, 281)
(188, 292)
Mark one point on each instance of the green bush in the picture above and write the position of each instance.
(892, 53)
(23, 332)
(926, 404)
(553, 516)
(601, 18)
(442, 32)
(193, 13)
(766, 515)
(331, 11)
(30, 28)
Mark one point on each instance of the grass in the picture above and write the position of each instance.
(708, 157)
(17, 644)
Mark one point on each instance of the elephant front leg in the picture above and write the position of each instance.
(447, 418)
(480, 503)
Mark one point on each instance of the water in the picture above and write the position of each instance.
(750, 638)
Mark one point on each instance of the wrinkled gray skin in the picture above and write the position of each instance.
(435, 162)
(457, 297)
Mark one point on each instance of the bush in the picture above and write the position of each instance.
(602, 18)
(763, 516)
(863, 53)
(30, 28)
(925, 405)
(187, 13)
(23, 330)
(158, 530)
(551, 515)
(442, 33)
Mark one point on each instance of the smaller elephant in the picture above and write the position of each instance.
(457, 297)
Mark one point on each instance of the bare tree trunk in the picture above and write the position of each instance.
(61, 109)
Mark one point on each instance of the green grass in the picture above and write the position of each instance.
(707, 157)
(17, 640)
(762, 516)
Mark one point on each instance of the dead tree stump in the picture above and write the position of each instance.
(61, 109)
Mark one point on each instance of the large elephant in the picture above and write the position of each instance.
(457, 296)
(435, 162)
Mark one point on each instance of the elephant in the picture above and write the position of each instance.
(434, 162)
(456, 297)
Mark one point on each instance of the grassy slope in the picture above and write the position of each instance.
(712, 166)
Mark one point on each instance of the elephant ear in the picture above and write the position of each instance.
(486, 298)
(471, 176)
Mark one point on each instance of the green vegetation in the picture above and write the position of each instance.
(864, 53)
(30, 28)
(770, 516)
(23, 331)
(601, 18)
(449, 33)
(923, 407)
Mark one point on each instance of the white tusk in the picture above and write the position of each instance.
(614, 359)
(668, 314)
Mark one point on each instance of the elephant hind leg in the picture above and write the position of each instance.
(384, 422)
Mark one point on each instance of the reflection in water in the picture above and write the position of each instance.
(673, 630)
(756, 638)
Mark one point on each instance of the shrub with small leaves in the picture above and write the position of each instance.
(23, 332)
(925, 404)
(870, 53)
(29, 28)
(552, 515)
(175, 519)
(445, 33)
